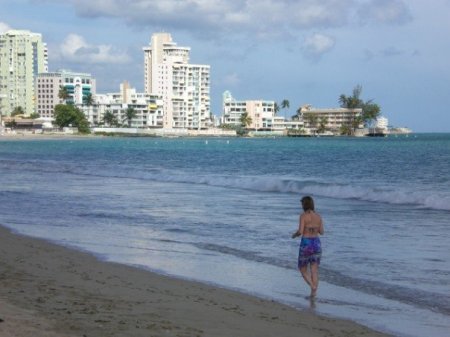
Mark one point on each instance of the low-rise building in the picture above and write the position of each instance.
(326, 120)
(261, 113)
(148, 108)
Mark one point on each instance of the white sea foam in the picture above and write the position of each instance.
(400, 195)
(425, 199)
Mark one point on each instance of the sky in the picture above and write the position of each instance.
(305, 51)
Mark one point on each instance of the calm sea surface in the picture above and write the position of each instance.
(222, 211)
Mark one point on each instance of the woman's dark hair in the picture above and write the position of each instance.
(307, 203)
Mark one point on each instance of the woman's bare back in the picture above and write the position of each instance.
(312, 224)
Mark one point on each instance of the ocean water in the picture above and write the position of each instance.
(222, 210)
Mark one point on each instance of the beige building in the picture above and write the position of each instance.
(184, 87)
(262, 113)
(48, 85)
(332, 119)
(22, 56)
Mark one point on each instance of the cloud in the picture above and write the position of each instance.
(4, 27)
(231, 79)
(75, 49)
(392, 51)
(317, 45)
(212, 19)
(385, 11)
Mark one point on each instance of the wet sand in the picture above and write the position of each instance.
(48, 290)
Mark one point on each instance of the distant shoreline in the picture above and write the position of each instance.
(53, 136)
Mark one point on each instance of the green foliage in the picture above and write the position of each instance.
(68, 115)
(17, 111)
(346, 130)
(370, 110)
(110, 119)
(240, 131)
(353, 101)
(322, 124)
(130, 113)
(11, 124)
(63, 93)
(294, 132)
(89, 99)
(276, 108)
(245, 120)
(312, 119)
(34, 115)
(228, 126)
(285, 104)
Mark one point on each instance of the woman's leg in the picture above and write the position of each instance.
(314, 278)
(306, 276)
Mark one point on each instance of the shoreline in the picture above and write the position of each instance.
(51, 290)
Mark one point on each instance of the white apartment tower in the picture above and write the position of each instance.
(22, 56)
(184, 87)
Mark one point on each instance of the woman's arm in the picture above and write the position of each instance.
(301, 225)
(321, 230)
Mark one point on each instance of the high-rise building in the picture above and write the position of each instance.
(22, 56)
(48, 85)
(184, 87)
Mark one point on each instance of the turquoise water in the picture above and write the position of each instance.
(222, 210)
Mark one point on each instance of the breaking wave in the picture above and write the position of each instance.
(419, 197)
(423, 199)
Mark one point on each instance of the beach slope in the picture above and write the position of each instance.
(48, 290)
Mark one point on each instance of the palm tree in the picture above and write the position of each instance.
(245, 120)
(285, 105)
(276, 108)
(370, 110)
(89, 99)
(322, 124)
(130, 113)
(109, 119)
(352, 102)
(312, 120)
(63, 93)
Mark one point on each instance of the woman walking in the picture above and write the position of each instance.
(309, 228)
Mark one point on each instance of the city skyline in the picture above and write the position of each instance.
(308, 52)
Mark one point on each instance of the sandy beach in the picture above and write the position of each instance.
(45, 136)
(49, 290)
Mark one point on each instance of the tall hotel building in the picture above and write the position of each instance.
(22, 56)
(184, 87)
(79, 86)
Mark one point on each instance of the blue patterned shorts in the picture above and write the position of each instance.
(310, 251)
